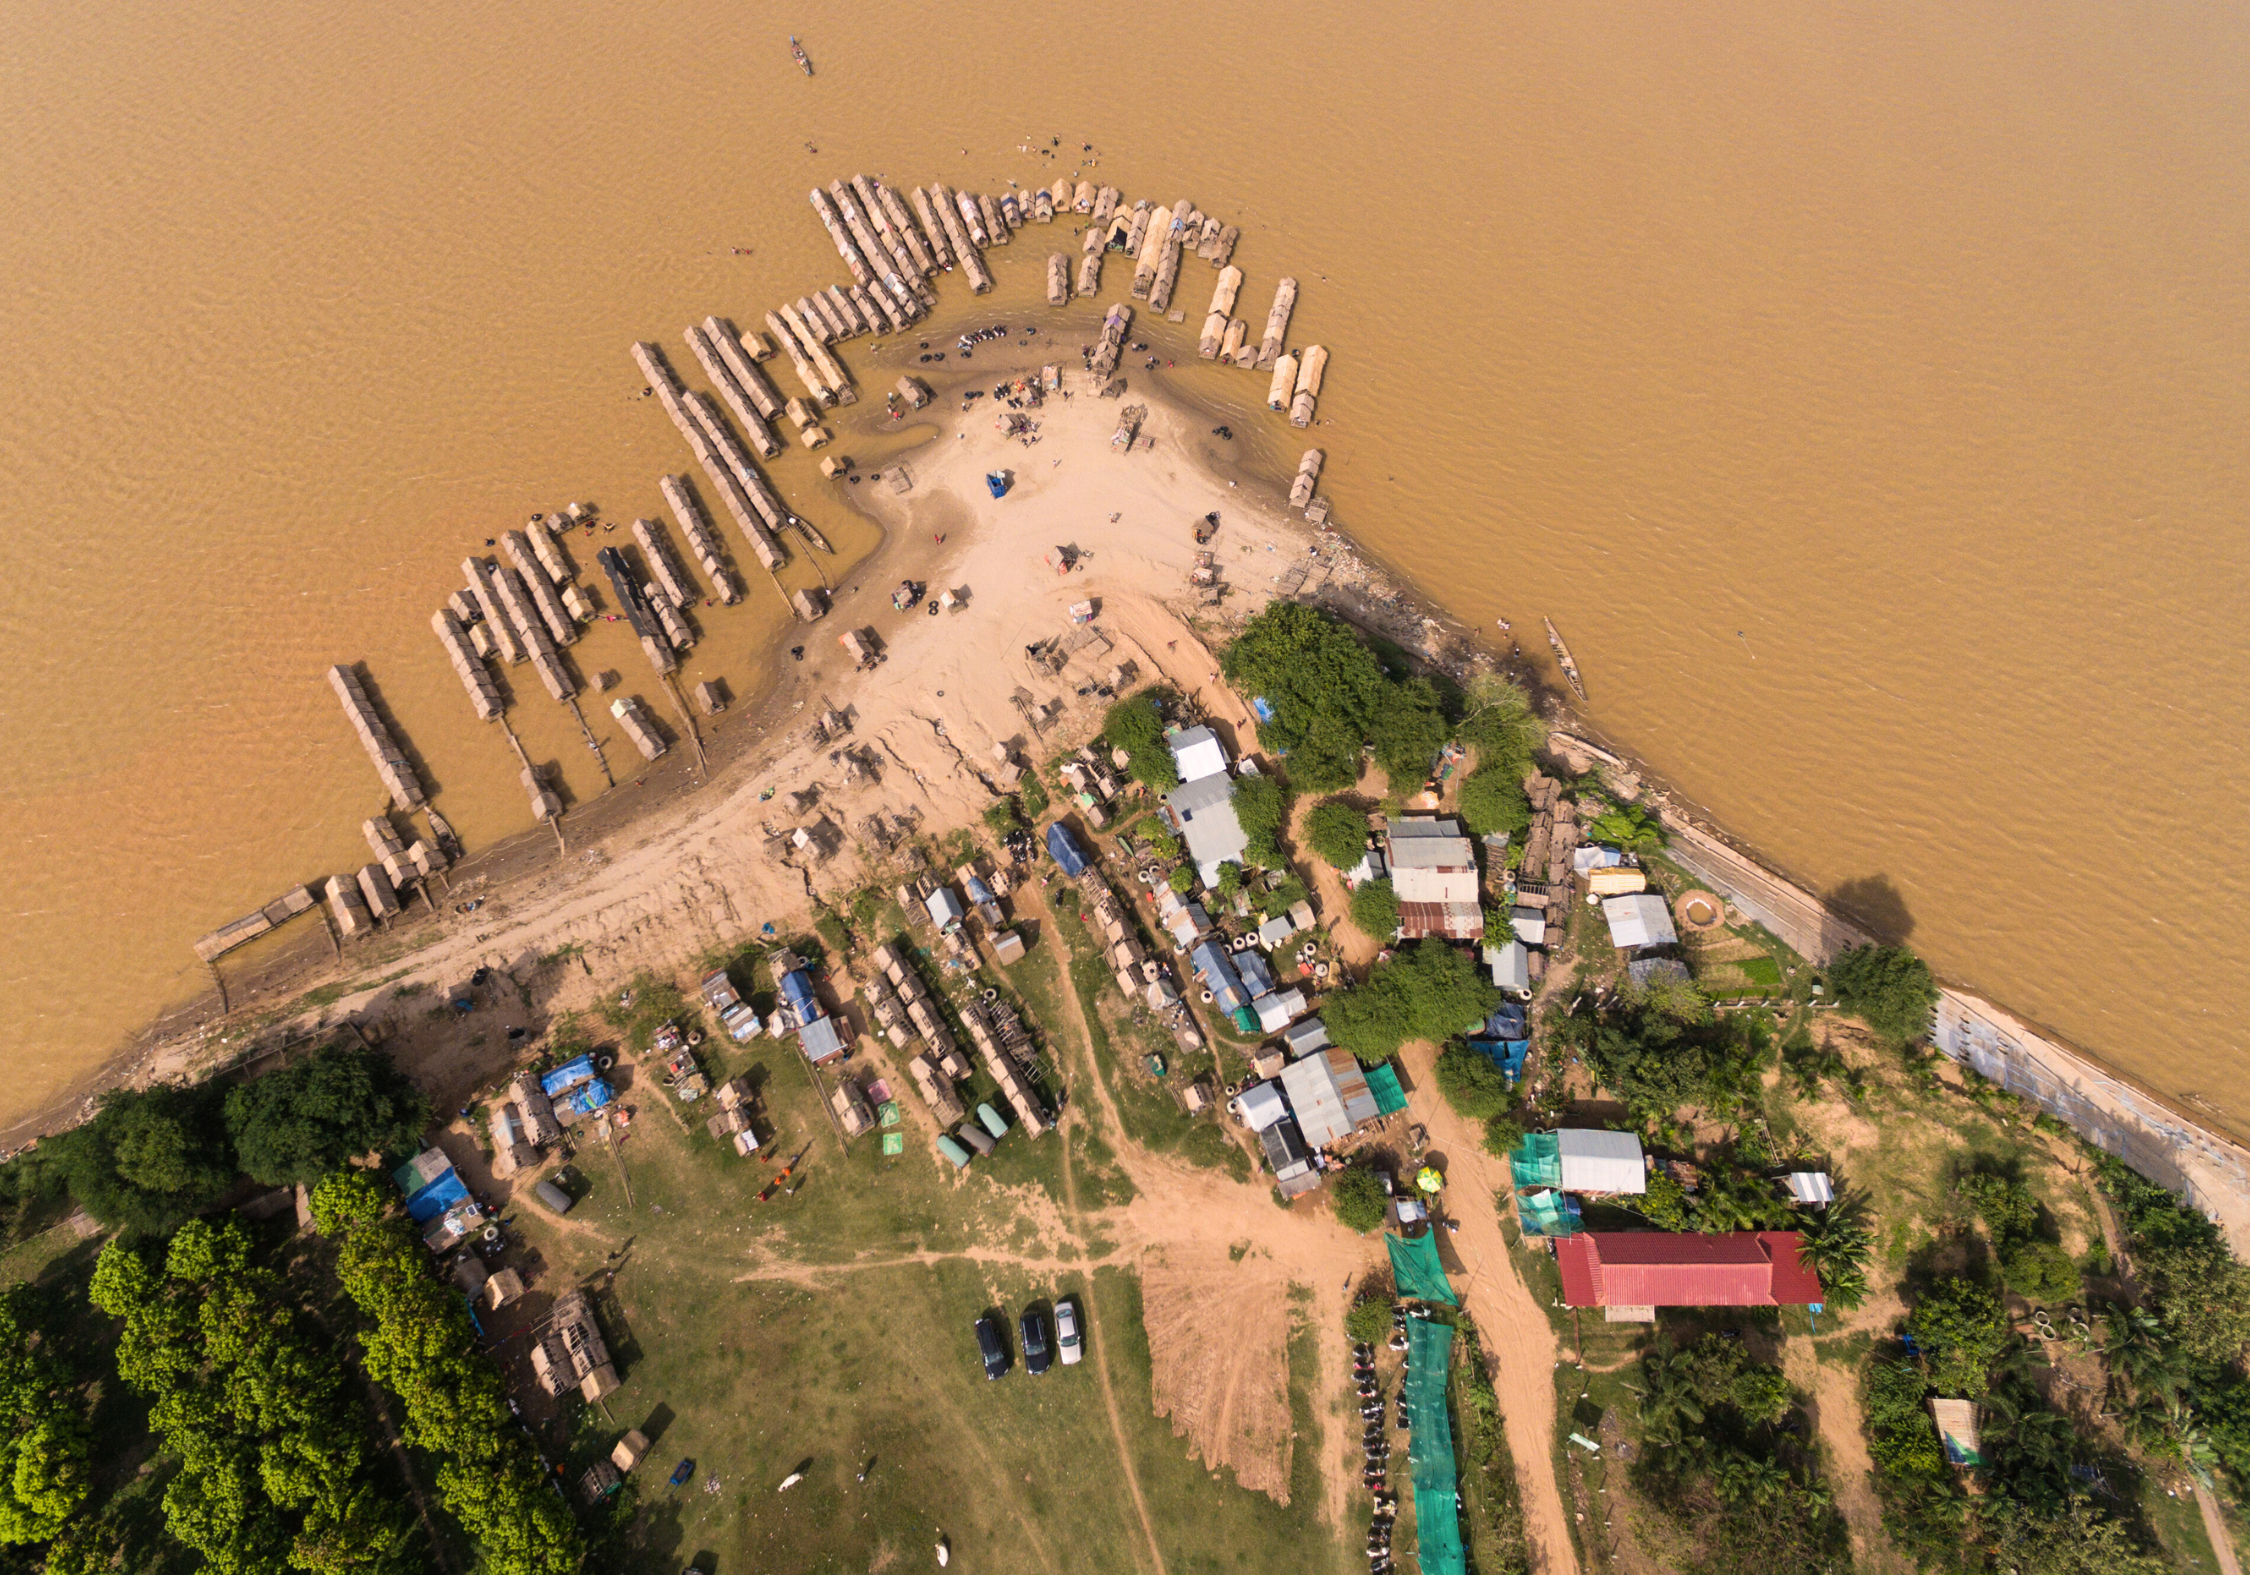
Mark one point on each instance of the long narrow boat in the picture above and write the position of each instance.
(805, 529)
(798, 50)
(1563, 658)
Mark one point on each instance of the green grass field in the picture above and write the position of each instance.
(830, 1328)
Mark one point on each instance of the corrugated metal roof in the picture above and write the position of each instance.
(1639, 919)
(1323, 1100)
(1459, 921)
(1197, 753)
(1661, 1269)
(1510, 965)
(1427, 883)
(1204, 812)
(1261, 1105)
(1596, 1161)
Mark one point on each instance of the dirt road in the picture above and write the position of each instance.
(1852, 1469)
(1514, 1325)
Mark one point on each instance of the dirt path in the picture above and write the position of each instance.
(1523, 1343)
(2215, 1527)
(1851, 1471)
(1075, 1116)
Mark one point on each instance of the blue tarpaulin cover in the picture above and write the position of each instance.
(568, 1076)
(436, 1198)
(589, 1097)
(1065, 849)
(798, 986)
(1259, 704)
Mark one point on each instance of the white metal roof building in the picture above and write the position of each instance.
(1640, 919)
(1329, 1096)
(1278, 1010)
(1260, 1106)
(1595, 1161)
(1204, 812)
(1510, 965)
(1434, 872)
(1197, 753)
(1530, 925)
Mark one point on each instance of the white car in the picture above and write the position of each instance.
(1066, 1334)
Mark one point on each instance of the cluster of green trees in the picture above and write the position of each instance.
(1136, 725)
(1375, 910)
(1333, 697)
(45, 1438)
(2032, 1260)
(1661, 1054)
(1889, 988)
(275, 1466)
(1488, 1466)
(2033, 1514)
(422, 1347)
(1337, 831)
(150, 1159)
(1429, 990)
(1359, 1200)
(1720, 1457)
(1261, 806)
(1478, 1090)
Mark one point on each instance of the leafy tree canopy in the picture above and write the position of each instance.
(1628, 826)
(1324, 686)
(1964, 1329)
(1375, 910)
(1337, 832)
(1492, 801)
(1658, 1064)
(1136, 726)
(149, 1159)
(1409, 730)
(1261, 807)
(1498, 722)
(1473, 1083)
(1359, 1199)
(1427, 991)
(45, 1441)
(300, 1123)
(1888, 987)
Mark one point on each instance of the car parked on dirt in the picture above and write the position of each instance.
(1037, 1355)
(990, 1347)
(1067, 1341)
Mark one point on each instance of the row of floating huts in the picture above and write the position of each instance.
(529, 608)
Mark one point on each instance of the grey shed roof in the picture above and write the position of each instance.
(1639, 919)
(820, 1040)
(1594, 1161)
(1329, 1094)
(1306, 1037)
(1510, 965)
(1204, 810)
(1261, 1105)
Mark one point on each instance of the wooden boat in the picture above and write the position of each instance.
(805, 529)
(798, 50)
(448, 843)
(1563, 658)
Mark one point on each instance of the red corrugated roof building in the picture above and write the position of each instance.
(1660, 1269)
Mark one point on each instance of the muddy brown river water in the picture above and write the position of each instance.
(1864, 392)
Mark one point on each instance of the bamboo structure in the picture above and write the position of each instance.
(835, 324)
(972, 217)
(911, 271)
(375, 886)
(1308, 477)
(741, 360)
(1230, 348)
(993, 225)
(348, 907)
(634, 718)
(484, 694)
(1115, 326)
(1153, 227)
(972, 260)
(656, 549)
(1167, 268)
(932, 231)
(525, 619)
(792, 335)
(1105, 205)
(708, 352)
(890, 269)
(715, 465)
(1223, 253)
(1283, 385)
(1223, 294)
(818, 329)
(695, 525)
(559, 623)
(1090, 272)
(390, 761)
(1059, 194)
(1042, 207)
(1207, 240)
(552, 558)
(1310, 366)
(633, 602)
(677, 634)
(846, 247)
(1058, 279)
(504, 639)
(917, 245)
(1013, 210)
(1136, 233)
(1082, 198)
(914, 391)
(1214, 333)
(1277, 323)
(751, 479)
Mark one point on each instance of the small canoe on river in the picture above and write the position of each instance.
(1563, 659)
(798, 50)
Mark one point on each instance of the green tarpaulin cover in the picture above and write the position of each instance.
(1547, 1214)
(1415, 1268)
(894, 1142)
(1538, 1163)
(1382, 1082)
(1437, 1522)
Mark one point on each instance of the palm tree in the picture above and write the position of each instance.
(2140, 1347)
(1746, 1479)
(1628, 826)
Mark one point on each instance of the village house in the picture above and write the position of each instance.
(1630, 1274)
(1434, 872)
